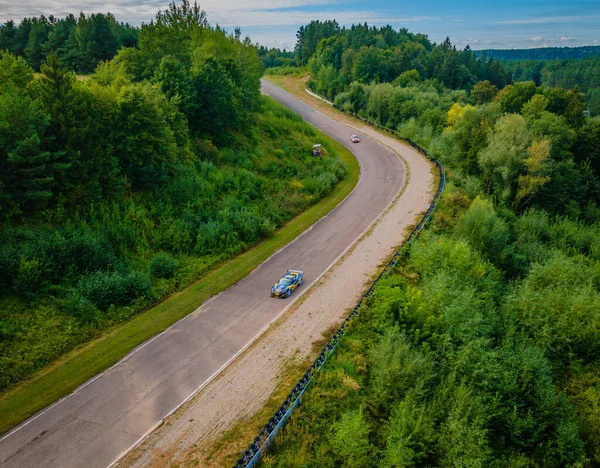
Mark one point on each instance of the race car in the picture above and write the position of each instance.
(286, 285)
(355, 139)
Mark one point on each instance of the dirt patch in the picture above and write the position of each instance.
(199, 433)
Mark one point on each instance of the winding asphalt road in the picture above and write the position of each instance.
(107, 416)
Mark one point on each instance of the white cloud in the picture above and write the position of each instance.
(566, 39)
(296, 17)
(535, 39)
(225, 13)
(132, 11)
(551, 19)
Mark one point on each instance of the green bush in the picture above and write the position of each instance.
(484, 229)
(104, 289)
(80, 307)
(163, 265)
(29, 280)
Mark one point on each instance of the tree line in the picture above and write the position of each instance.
(481, 348)
(80, 42)
(542, 53)
(120, 189)
(565, 73)
(340, 56)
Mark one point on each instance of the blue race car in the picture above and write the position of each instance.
(286, 285)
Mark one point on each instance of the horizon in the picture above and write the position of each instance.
(274, 23)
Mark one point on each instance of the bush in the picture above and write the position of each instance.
(163, 265)
(484, 229)
(80, 307)
(90, 251)
(29, 279)
(104, 289)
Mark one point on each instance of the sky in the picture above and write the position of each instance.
(481, 24)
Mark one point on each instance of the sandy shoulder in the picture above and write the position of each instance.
(244, 387)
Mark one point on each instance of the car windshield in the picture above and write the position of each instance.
(286, 280)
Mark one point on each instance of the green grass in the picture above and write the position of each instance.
(76, 367)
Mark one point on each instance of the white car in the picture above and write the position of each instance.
(355, 139)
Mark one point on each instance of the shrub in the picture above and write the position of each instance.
(80, 307)
(104, 289)
(29, 279)
(90, 251)
(484, 229)
(163, 265)
(9, 264)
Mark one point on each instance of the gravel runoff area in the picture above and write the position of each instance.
(244, 386)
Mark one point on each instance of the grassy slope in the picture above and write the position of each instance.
(78, 366)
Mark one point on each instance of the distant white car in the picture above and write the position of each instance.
(355, 139)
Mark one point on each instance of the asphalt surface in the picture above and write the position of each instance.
(108, 415)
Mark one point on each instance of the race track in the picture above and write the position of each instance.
(108, 415)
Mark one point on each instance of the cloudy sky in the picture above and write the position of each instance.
(481, 24)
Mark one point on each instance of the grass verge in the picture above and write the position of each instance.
(78, 366)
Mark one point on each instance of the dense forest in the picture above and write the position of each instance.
(481, 348)
(120, 189)
(583, 74)
(542, 53)
(371, 54)
(80, 43)
(337, 57)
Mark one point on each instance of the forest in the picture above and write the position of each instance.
(337, 57)
(81, 43)
(481, 347)
(129, 185)
(564, 73)
(542, 53)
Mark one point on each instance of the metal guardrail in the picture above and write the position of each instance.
(251, 457)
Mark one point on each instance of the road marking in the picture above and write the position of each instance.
(261, 332)
(296, 298)
(120, 361)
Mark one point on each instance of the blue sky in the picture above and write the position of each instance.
(481, 24)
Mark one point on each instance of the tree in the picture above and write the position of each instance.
(144, 142)
(59, 36)
(483, 92)
(484, 229)
(512, 98)
(27, 171)
(14, 72)
(77, 132)
(309, 36)
(537, 171)
(35, 48)
(502, 161)
(215, 112)
(175, 82)
(8, 33)
(587, 146)
(350, 440)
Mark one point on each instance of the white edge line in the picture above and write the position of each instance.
(96, 377)
(260, 333)
(278, 316)
(147, 342)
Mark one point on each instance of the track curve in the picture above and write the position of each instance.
(108, 415)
